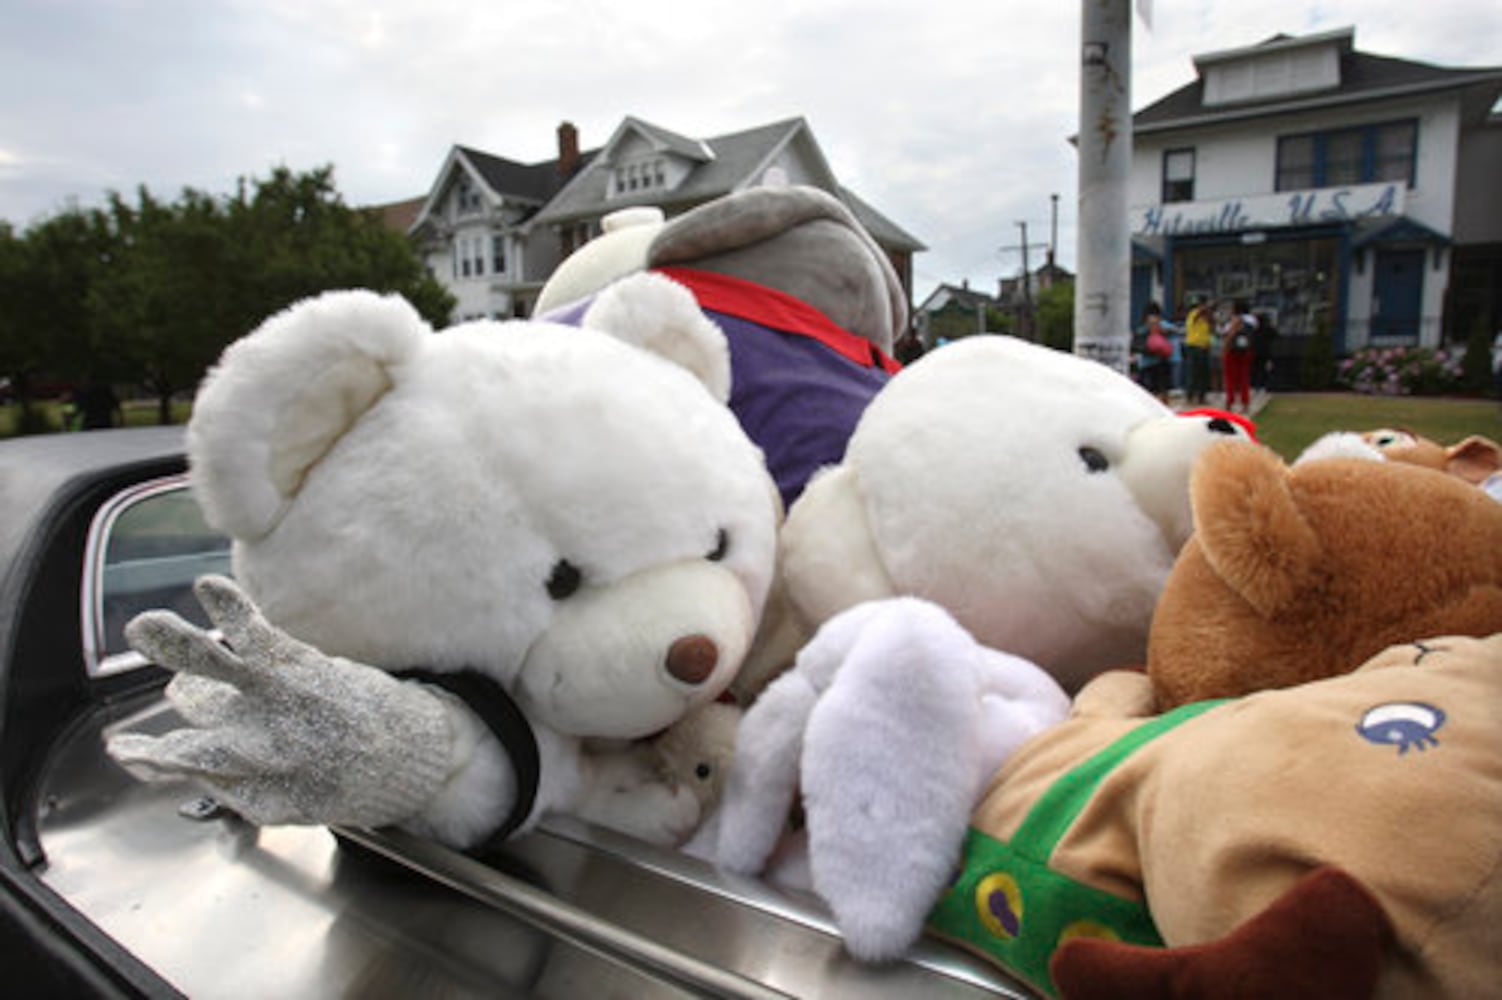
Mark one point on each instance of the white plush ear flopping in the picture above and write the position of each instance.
(659, 315)
(279, 399)
(619, 250)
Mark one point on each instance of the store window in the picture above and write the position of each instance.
(1178, 175)
(1291, 284)
(1361, 155)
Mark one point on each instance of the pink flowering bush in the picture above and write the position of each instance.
(1401, 371)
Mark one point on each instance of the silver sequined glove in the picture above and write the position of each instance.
(282, 733)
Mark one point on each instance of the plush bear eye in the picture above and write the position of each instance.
(703, 771)
(1093, 459)
(721, 546)
(564, 580)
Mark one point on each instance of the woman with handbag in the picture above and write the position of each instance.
(1236, 356)
(1155, 363)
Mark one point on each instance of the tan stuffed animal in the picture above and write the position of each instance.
(1338, 833)
(695, 752)
(1476, 459)
(1298, 574)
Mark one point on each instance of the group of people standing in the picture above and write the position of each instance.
(1234, 337)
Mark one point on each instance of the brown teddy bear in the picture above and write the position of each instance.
(1297, 574)
(1477, 459)
(1336, 833)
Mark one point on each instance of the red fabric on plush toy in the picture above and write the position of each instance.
(1240, 420)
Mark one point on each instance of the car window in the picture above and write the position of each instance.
(146, 547)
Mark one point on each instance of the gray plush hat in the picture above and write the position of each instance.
(799, 240)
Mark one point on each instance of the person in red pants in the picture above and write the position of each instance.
(1236, 357)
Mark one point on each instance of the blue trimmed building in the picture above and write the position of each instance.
(1336, 191)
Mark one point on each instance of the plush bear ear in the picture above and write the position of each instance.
(659, 315)
(1250, 528)
(619, 250)
(1474, 459)
(280, 398)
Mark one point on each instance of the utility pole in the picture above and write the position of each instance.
(1102, 300)
(1025, 314)
(1027, 290)
(1053, 233)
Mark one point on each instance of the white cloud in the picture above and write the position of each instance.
(952, 117)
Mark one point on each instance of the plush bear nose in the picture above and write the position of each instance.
(692, 658)
(1220, 425)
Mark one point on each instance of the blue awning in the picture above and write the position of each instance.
(1400, 230)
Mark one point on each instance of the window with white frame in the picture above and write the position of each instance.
(1178, 175)
(498, 254)
(466, 197)
(640, 175)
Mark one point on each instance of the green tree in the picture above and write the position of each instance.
(1317, 370)
(300, 239)
(1055, 312)
(168, 305)
(46, 333)
(188, 278)
(1476, 365)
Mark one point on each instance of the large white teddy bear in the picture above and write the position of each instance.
(999, 531)
(566, 533)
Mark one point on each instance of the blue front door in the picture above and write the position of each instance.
(1397, 294)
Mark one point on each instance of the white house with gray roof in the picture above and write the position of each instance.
(493, 230)
(1330, 188)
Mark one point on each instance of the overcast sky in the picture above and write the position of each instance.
(950, 116)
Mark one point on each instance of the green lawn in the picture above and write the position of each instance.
(138, 413)
(1287, 424)
(1290, 422)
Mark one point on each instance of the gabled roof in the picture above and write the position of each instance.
(733, 161)
(1363, 77)
(536, 182)
(882, 229)
(723, 164)
(658, 138)
(505, 180)
(957, 296)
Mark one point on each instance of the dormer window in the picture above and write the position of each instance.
(466, 197)
(640, 175)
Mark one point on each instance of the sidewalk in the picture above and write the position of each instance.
(1217, 400)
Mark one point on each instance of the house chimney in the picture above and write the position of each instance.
(568, 148)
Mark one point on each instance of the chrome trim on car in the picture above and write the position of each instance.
(556, 916)
(98, 660)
